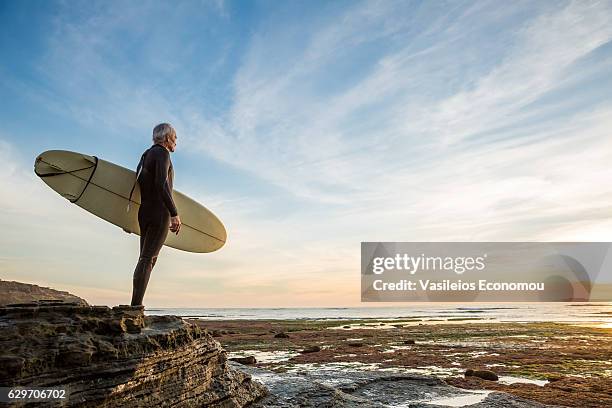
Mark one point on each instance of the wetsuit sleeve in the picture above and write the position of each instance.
(162, 166)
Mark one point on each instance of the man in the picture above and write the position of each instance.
(157, 212)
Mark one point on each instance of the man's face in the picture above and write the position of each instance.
(171, 143)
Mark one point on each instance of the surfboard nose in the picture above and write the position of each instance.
(67, 173)
(59, 161)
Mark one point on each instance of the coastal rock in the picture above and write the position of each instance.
(409, 341)
(117, 357)
(245, 360)
(311, 349)
(281, 335)
(12, 292)
(484, 374)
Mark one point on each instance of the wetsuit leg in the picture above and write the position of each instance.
(153, 232)
(140, 272)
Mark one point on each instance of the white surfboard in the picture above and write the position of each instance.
(103, 189)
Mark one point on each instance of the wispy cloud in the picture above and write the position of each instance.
(536, 64)
(323, 145)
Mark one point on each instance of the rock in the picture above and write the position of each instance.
(244, 360)
(118, 357)
(281, 335)
(21, 294)
(346, 327)
(356, 344)
(409, 341)
(311, 349)
(341, 388)
(484, 374)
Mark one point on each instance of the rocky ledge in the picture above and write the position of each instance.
(117, 357)
(18, 292)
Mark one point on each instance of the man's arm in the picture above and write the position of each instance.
(162, 165)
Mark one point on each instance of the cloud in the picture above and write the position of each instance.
(322, 146)
(538, 63)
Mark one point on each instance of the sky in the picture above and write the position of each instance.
(307, 127)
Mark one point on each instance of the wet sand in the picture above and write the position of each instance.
(551, 363)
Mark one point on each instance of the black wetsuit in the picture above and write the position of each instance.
(157, 206)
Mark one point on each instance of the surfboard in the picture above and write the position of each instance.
(103, 188)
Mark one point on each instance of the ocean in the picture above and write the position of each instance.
(599, 314)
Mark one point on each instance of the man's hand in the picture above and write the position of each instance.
(175, 224)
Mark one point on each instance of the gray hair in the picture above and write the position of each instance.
(162, 132)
